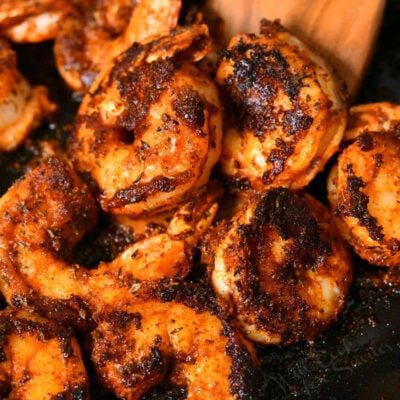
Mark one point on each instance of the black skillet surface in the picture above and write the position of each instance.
(359, 357)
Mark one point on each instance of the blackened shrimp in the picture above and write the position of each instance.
(31, 21)
(291, 109)
(175, 332)
(364, 193)
(94, 32)
(44, 215)
(146, 329)
(280, 267)
(40, 359)
(149, 132)
(168, 254)
(372, 117)
(22, 107)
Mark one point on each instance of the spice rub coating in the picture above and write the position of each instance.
(364, 193)
(149, 132)
(94, 32)
(289, 111)
(39, 359)
(280, 267)
(174, 331)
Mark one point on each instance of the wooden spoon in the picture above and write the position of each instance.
(343, 31)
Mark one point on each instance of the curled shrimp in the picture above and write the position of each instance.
(291, 109)
(31, 21)
(40, 359)
(22, 107)
(372, 117)
(149, 131)
(94, 32)
(47, 213)
(42, 217)
(364, 193)
(279, 267)
(176, 332)
(168, 329)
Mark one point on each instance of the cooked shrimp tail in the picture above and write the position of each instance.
(169, 254)
(94, 33)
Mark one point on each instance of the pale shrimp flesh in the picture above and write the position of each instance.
(22, 107)
(39, 359)
(279, 267)
(31, 21)
(149, 131)
(289, 111)
(94, 32)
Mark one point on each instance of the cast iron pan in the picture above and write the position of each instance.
(359, 357)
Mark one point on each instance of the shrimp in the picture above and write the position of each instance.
(171, 331)
(185, 331)
(291, 108)
(47, 213)
(42, 217)
(150, 130)
(364, 194)
(40, 359)
(372, 117)
(94, 32)
(168, 254)
(31, 21)
(279, 267)
(22, 107)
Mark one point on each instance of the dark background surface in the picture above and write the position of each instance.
(359, 357)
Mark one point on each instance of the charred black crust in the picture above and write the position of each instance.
(357, 205)
(291, 216)
(80, 392)
(189, 107)
(140, 88)
(277, 158)
(194, 296)
(57, 232)
(259, 73)
(123, 319)
(138, 191)
(154, 363)
(71, 312)
(277, 305)
(238, 183)
(365, 142)
(244, 378)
